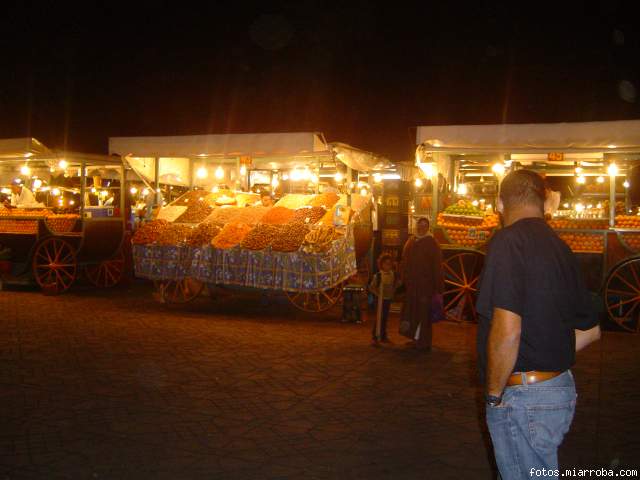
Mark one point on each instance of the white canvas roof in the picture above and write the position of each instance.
(359, 159)
(614, 136)
(21, 147)
(228, 145)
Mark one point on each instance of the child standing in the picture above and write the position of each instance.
(383, 286)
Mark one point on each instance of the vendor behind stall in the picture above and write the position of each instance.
(21, 196)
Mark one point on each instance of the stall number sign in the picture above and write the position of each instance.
(391, 238)
(555, 156)
(476, 234)
(392, 203)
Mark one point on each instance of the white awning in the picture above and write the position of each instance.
(229, 145)
(611, 136)
(21, 147)
(357, 159)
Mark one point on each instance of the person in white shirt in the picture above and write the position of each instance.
(21, 196)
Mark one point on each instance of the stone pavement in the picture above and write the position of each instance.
(102, 385)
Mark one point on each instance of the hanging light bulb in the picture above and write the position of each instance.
(462, 189)
(613, 170)
(600, 179)
(377, 178)
(215, 189)
(25, 170)
(314, 178)
(498, 169)
(219, 173)
(71, 202)
(55, 192)
(285, 177)
(578, 170)
(243, 171)
(364, 192)
(338, 177)
(133, 190)
(418, 183)
(626, 184)
(581, 180)
(296, 175)
(202, 172)
(145, 192)
(37, 183)
(63, 164)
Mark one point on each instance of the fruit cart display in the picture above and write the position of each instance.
(53, 248)
(463, 231)
(601, 230)
(295, 251)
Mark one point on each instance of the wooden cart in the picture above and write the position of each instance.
(609, 253)
(53, 252)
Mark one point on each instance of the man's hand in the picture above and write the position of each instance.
(502, 349)
(587, 337)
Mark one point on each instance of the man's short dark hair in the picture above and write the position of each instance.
(521, 188)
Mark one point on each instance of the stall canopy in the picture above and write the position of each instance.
(618, 136)
(229, 145)
(357, 159)
(21, 147)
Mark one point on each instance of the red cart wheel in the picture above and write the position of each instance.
(315, 302)
(461, 276)
(622, 295)
(178, 291)
(108, 273)
(54, 265)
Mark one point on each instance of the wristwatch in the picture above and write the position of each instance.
(492, 400)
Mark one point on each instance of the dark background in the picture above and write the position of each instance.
(364, 73)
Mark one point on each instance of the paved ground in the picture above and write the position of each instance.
(113, 385)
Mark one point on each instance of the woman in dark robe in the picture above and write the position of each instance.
(421, 272)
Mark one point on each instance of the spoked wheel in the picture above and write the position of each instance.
(108, 273)
(461, 276)
(622, 295)
(178, 291)
(315, 302)
(54, 265)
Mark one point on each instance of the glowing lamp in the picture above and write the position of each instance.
(63, 164)
(25, 170)
(613, 170)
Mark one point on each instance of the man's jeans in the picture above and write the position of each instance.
(528, 427)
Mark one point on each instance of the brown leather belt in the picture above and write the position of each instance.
(529, 378)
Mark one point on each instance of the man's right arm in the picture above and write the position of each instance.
(585, 338)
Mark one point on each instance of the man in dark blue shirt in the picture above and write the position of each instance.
(535, 313)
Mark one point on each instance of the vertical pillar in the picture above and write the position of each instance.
(156, 174)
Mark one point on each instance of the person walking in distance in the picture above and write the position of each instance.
(534, 314)
(421, 273)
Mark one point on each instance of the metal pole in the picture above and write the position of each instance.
(83, 186)
(157, 180)
(612, 201)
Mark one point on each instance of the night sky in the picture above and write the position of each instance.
(363, 73)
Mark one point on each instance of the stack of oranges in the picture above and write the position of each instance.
(632, 240)
(466, 237)
(628, 221)
(584, 242)
(586, 224)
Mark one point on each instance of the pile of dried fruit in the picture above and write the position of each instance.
(290, 238)
(326, 200)
(278, 216)
(203, 234)
(293, 201)
(308, 215)
(192, 198)
(261, 236)
(251, 215)
(149, 232)
(328, 217)
(319, 239)
(224, 215)
(196, 212)
(232, 234)
(174, 234)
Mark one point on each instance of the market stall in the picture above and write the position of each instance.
(73, 222)
(303, 178)
(305, 249)
(588, 169)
